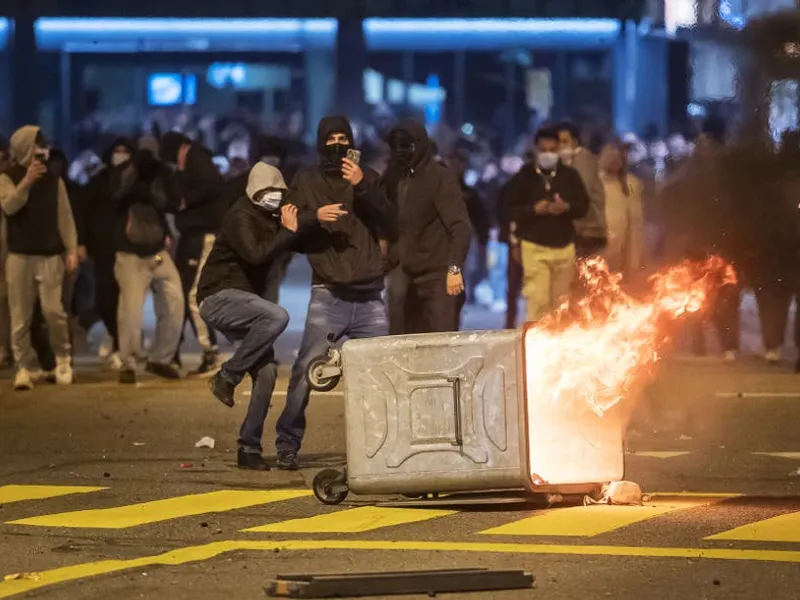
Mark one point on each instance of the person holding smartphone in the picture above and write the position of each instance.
(352, 215)
(42, 243)
(544, 199)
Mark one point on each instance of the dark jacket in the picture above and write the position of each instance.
(528, 187)
(249, 240)
(203, 191)
(33, 230)
(479, 215)
(433, 223)
(345, 255)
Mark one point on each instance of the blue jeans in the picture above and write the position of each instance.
(327, 314)
(256, 323)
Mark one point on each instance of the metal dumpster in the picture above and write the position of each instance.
(455, 412)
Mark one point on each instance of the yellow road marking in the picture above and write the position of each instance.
(18, 493)
(588, 521)
(783, 528)
(354, 520)
(209, 551)
(162, 510)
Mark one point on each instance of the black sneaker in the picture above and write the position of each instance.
(162, 370)
(287, 460)
(127, 376)
(209, 364)
(252, 461)
(222, 389)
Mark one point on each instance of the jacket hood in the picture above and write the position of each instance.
(331, 125)
(22, 144)
(263, 176)
(120, 141)
(171, 142)
(417, 132)
(149, 144)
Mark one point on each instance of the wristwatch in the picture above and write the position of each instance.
(453, 270)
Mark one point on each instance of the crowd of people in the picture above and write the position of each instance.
(399, 234)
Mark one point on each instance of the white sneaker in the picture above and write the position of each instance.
(64, 372)
(773, 357)
(106, 349)
(115, 362)
(729, 356)
(23, 380)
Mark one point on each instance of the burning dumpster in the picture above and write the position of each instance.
(536, 410)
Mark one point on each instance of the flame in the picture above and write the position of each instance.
(598, 347)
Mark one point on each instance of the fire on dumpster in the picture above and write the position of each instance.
(591, 354)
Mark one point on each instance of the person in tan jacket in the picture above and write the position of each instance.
(590, 231)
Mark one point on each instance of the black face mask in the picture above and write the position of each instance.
(332, 156)
(402, 152)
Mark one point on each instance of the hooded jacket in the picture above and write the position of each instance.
(38, 220)
(248, 242)
(201, 185)
(345, 256)
(434, 230)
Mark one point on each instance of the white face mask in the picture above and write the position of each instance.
(269, 200)
(547, 160)
(567, 154)
(119, 158)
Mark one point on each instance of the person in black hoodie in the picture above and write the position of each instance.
(256, 231)
(433, 238)
(204, 203)
(346, 260)
(143, 264)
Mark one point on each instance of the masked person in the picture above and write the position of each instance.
(42, 244)
(591, 234)
(347, 264)
(544, 199)
(256, 231)
(203, 206)
(433, 237)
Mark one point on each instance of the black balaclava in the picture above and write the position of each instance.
(409, 145)
(331, 155)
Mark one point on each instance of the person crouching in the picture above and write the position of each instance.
(257, 230)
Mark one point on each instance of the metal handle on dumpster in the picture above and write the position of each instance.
(456, 381)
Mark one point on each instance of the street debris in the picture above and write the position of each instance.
(186, 465)
(19, 576)
(137, 444)
(397, 584)
(685, 438)
(205, 442)
(619, 493)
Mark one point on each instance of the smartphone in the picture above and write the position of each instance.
(40, 157)
(354, 155)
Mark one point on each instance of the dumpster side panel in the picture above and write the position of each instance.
(434, 412)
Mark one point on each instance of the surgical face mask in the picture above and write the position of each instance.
(269, 199)
(119, 158)
(547, 160)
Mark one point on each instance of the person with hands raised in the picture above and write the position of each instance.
(545, 198)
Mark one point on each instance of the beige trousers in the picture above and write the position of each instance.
(548, 274)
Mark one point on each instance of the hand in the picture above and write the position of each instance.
(71, 262)
(455, 284)
(168, 243)
(289, 217)
(82, 253)
(35, 172)
(542, 207)
(559, 207)
(183, 152)
(330, 213)
(352, 172)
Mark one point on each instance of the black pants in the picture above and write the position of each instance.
(421, 305)
(774, 299)
(187, 260)
(106, 294)
(723, 312)
(514, 287)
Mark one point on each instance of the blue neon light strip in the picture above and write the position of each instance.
(5, 31)
(170, 35)
(487, 34)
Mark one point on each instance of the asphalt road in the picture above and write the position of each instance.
(129, 508)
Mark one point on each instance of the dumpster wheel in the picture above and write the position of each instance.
(330, 486)
(316, 380)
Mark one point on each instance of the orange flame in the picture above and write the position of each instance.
(598, 347)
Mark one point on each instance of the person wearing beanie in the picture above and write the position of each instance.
(256, 231)
(42, 245)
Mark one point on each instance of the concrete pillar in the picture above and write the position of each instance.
(351, 61)
(652, 85)
(510, 130)
(625, 55)
(460, 86)
(320, 67)
(24, 91)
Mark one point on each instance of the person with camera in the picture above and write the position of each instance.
(232, 294)
(347, 263)
(544, 199)
(42, 245)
